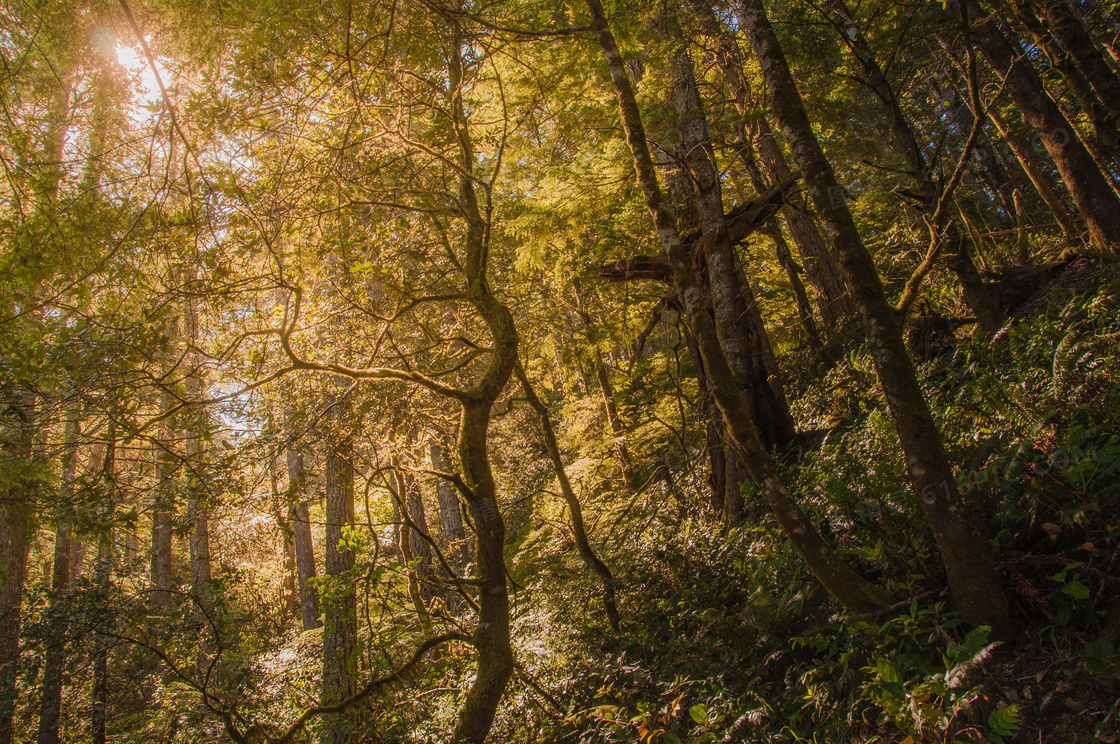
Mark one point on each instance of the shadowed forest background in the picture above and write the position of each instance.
(537, 371)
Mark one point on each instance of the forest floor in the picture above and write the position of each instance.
(727, 639)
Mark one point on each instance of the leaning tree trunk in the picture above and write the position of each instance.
(1095, 200)
(959, 260)
(1078, 43)
(728, 472)
(1101, 119)
(849, 588)
(971, 573)
(824, 276)
(579, 532)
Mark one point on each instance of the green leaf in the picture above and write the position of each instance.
(1076, 589)
(699, 714)
(670, 738)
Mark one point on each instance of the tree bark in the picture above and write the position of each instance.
(1078, 43)
(1101, 118)
(450, 510)
(959, 260)
(198, 511)
(289, 594)
(340, 637)
(970, 570)
(301, 538)
(16, 509)
(1095, 200)
(162, 514)
(824, 275)
(1101, 24)
(408, 541)
(851, 590)
(104, 463)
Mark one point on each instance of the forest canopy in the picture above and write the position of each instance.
(535, 371)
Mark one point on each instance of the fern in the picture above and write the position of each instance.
(1003, 723)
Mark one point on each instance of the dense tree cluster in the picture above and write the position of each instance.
(448, 371)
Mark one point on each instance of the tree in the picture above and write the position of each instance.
(849, 589)
(970, 570)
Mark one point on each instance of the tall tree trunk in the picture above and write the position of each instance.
(50, 706)
(1101, 24)
(166, 488)
(16, 509)
(289, 595)
(18, 432)
(848, 587)
(99, 694)
(1101, 119)
(737, 318)
(340, 637)
(579, 532)
(970, 570)
(104, 462)
(418, 543)
(728, 471)
(773, 230)
(407, 543)
(301, 538)
(1093, 196)
(198, 512)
